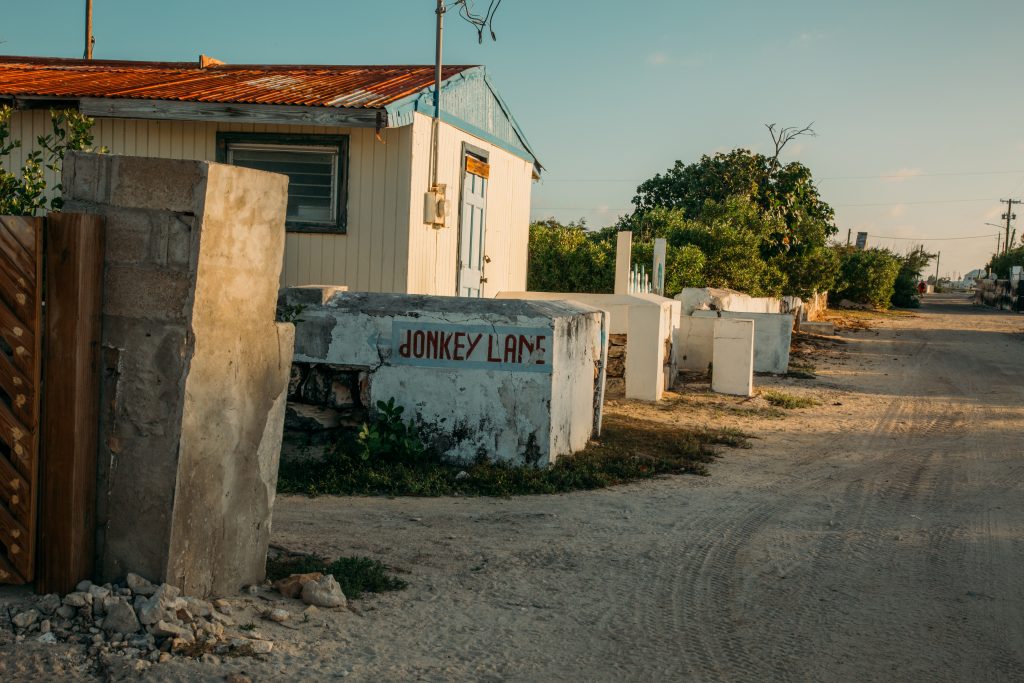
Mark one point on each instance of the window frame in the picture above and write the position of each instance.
(340, 142)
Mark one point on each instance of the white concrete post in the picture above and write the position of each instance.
(733, 360)
(658, 269)
(623, 254)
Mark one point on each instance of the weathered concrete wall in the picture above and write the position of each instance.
(694, 343)
(734, 357)
(648, 321)
(773, 334)
(507, 380)
(196, 369)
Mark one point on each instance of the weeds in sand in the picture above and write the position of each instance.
(247, 627)
(355, 575)
(801, 371)
(781, 399)
(629, 449)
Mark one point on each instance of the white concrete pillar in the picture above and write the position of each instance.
(658, 267)
(623, 254)
(733, 364)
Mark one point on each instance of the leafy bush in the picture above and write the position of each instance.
(24, 193)
(866, 276)
(568, 258)
(1002, 263)
(905, 294)
(781, 399)
(388, 438)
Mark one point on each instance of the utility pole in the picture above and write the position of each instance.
(849, 231)
(938, 255)
(441, 8)
(1009, 215)
(89, 40)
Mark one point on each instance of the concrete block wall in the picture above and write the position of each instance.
(515, 381)
(648, 323)
(772, 336)
(195, 368)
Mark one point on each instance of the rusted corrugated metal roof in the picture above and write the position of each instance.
(365, 87)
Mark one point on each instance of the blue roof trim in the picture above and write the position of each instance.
(470, 103)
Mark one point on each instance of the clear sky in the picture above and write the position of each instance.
(918, 105)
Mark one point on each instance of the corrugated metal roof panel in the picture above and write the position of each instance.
(368, 87)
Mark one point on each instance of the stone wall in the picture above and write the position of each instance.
(195, 370)
(615, 383)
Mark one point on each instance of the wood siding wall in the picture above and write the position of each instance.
(387, 247)
(433, 254)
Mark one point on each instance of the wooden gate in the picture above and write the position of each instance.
(21, 284)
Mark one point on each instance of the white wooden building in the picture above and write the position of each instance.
(355, 142)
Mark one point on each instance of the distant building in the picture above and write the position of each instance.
(355, 142)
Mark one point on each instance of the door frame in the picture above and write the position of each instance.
(484, 156)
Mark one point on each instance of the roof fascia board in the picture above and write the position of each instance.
(233, 113)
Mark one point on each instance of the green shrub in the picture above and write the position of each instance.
(866, 276)
(388, 438)
(355, 575)
(568, 258)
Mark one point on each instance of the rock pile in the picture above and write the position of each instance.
(140, 621)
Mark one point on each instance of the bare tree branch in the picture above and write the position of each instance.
(782, 136)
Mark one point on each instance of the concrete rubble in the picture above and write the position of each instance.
(148, 624)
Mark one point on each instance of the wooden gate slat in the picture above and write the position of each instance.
(9, 574)
(24, 229)
(15, 492)
(21, 392)
(20, 337)
(21, 258)
(18, 542)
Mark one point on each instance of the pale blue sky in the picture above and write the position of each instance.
(609, 93)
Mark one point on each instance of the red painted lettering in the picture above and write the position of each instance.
(540, 350)
(473, 344)
(403, 348)
(524, 344)
(510, 349)
(458, 346)
(418, 344)
(446, 349)
(431, 350)
(491, 358)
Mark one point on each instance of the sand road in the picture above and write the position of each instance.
(878, 536)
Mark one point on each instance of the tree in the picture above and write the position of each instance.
(866, 276)
(912, 265)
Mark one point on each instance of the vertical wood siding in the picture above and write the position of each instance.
(387, 247)
(433, 254)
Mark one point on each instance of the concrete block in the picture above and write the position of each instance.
(774, 332)
(159, 184)
(695, 343)
(733, 371)
(195, 369)
(505, 379)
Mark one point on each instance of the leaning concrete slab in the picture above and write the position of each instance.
(818, 327)
(733, 371)
(774, 332)
(195, 369)
(694, 343)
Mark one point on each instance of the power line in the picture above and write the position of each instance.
(934, 239)
(630, 208)
(847, 177)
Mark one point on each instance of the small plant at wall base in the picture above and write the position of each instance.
(25, 193)
(389, 438)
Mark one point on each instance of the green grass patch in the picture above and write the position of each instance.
(781, 399)
(355, 575)
(628, 450)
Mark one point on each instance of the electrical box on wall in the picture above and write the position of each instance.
(436, 206)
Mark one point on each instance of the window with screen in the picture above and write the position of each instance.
(315, 166)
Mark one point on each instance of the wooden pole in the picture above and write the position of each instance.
(67, 505)
(88, 29)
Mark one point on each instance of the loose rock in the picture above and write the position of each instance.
(139, 585)
(25, 619)
(291, 587)
(277, 615)
(49, 604)
(120, 618)
(324, 592)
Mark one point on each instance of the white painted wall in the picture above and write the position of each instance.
(734, 357)
(648, 320)
(387, 248)
(473, 410)
(772, 336)
(433, 253)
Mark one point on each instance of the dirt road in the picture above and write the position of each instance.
(877, 536)
(879, 539)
